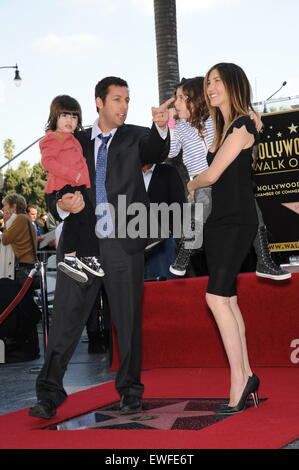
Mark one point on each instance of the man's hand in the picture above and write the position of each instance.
(72, 202)
(161, 114)
(172, 112)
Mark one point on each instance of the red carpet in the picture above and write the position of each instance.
(274, 424)
(181, 344)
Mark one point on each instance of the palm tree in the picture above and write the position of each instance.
(9, 148)
(168, 63)
(167, 49)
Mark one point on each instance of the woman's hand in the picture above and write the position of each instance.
(256, 118)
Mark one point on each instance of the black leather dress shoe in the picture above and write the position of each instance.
(130, 404)
(43, 409)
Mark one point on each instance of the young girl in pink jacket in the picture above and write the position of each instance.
(67, 172)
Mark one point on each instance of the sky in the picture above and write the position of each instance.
(67, 46)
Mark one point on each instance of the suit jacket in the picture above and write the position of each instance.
(166, 186)
(130, 149)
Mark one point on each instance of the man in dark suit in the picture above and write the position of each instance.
(122, 257)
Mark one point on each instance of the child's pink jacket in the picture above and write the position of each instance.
(63, 159)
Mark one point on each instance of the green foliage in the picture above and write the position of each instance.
(28, 181)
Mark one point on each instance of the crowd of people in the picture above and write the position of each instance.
(17, 258)
(211, 125)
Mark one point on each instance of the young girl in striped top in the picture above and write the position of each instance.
(192, 133)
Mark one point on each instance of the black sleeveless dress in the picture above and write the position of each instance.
(232, 224)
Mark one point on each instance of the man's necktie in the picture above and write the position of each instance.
(105, 224)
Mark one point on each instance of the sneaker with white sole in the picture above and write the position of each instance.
(266, 267)
(91, 264)
(71, 268)
(180, 265)
(271, 270)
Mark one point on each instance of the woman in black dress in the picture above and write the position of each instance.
(232, 224)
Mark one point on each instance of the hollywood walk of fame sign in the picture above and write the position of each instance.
(276, 174)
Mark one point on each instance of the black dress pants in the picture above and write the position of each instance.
(123, 282)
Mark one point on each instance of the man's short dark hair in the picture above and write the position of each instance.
(102, 86)
(31, 206)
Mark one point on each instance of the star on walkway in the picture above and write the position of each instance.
(162, 417)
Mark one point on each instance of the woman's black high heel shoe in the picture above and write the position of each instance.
(222, 406)
(251, 388)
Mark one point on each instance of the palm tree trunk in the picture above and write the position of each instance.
(167, 49)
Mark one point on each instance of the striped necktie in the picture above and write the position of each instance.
(104, 224)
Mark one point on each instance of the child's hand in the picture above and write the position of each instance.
(78, 177)
(191, 191)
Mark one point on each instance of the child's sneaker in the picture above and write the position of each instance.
(70, 267)
(179, 267)
(91, 264)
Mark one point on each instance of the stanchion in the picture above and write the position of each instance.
(42, 269)
(44, 298)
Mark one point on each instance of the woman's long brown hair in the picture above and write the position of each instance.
(239, 91)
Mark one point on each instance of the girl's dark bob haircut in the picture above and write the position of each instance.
(63, 104)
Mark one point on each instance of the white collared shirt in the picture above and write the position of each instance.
(147, 176)
(95, 132)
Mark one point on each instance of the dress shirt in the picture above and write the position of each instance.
(95, 132)
(147, 176)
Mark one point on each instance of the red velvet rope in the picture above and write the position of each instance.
(17, 299)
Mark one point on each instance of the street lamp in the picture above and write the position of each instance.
(17, 79)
